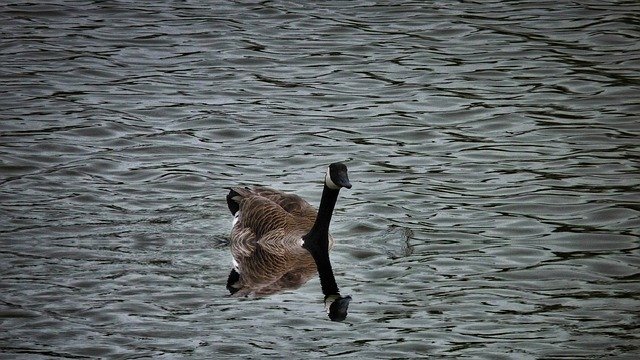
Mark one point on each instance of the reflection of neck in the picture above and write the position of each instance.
(317, 240)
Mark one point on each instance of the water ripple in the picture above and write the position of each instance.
(492, 147)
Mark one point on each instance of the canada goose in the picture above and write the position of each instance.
(279, 241)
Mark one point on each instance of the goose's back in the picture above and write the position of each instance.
(291, 203)
(263, 209)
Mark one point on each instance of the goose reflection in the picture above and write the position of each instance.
(279, 241)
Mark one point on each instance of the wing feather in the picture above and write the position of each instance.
(291, 203)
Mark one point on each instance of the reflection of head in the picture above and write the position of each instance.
(337, 306)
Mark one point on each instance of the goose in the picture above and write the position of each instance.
(278, 241)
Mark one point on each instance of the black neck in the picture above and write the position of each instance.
(323, 219)
(317, 241)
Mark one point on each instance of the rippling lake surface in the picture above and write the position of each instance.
(493, 149)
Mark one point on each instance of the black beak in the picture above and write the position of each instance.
(338, 309)
(343, 180)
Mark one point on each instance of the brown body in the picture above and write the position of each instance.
(266, 241)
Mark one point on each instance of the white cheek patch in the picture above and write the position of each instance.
(330, 184)
(329, 301)
(236, 266)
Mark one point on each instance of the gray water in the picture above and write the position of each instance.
(493, 150)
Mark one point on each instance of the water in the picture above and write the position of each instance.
(493, 149)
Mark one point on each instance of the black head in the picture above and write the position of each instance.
(337, 306)
(337, 176)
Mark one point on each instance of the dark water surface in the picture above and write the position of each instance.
(493, 148)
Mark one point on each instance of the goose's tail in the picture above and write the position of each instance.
(234, 196)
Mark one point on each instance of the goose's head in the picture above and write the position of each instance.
(337, 306)
(337, 177)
